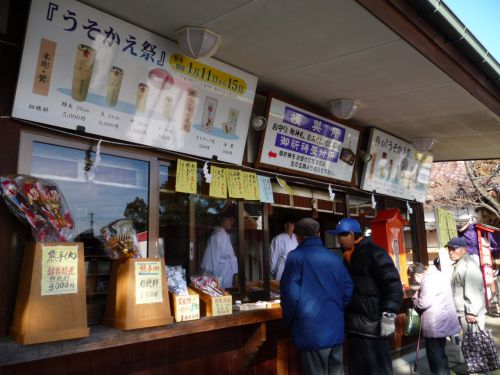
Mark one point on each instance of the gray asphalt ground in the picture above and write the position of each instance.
(404, 364)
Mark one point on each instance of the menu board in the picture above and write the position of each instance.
(396, 168)
(82, 67)
(300, 141)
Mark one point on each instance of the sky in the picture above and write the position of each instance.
(482, 18)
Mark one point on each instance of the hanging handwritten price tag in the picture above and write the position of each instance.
(250, 186)
(218, 185)
(185, 177)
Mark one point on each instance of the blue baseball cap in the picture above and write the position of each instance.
(456, 242)
(346, 225)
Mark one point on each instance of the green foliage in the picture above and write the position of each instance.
(137, 210)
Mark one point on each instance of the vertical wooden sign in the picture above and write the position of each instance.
(51, 302)
(137, 296)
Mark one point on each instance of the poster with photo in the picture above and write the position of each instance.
(84, 68)
(297, 140)
(396, 168)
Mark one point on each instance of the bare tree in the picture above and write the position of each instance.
(466, 184)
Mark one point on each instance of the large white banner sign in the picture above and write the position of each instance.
(299, 140)
(396, 168)
(82, 67)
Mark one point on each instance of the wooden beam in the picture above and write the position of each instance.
(253, 344)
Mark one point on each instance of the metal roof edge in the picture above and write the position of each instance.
(441, 17)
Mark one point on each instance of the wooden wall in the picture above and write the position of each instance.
(215, 352)
(11, 233)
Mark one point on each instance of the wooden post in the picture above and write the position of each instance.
(137, 296)
(51, 303)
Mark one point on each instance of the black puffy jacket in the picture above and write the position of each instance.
(377, 288)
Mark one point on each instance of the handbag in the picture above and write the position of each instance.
(480, 352)
(412, 322)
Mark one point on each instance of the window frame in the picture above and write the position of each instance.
(25, 166)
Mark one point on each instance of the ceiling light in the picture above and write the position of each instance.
(365, 156)
(259, 122)
(197, 42)
(423, 144)
(343, 108)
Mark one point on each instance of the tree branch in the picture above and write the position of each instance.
(485, 196)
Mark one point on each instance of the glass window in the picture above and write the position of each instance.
(215, 239)
(254, 238)
(197, 232)
(173, 240)
(118, 190)
(360, 208)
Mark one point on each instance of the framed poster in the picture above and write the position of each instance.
(301, 142)
(82, 67)
(396, 168)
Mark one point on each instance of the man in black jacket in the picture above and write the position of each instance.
(377, 297)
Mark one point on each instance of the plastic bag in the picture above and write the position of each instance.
(208, 284)
(176, 279)
(120, 239)
(41, 204)
(412, 322)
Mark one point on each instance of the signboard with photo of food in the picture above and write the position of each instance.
(85, 69)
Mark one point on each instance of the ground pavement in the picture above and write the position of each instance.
(404, 364)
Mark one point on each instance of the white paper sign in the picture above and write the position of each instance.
(301, 141)
(148, 283)
(59, 270)
(83, 67)
(396, 168)
(265, 189)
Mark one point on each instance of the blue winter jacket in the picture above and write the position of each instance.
(315, 288)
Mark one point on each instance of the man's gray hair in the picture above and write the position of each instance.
(306, 227)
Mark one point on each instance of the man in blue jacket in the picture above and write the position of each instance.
(315, 288)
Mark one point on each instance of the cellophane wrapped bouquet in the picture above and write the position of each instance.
(208, 284)
(120, 239)
(41, 204)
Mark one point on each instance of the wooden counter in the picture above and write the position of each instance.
(103, 337)
(253, 342)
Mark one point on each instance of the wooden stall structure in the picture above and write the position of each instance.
(138, 295)
(50, 304)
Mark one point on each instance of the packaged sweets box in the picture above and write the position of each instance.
(215, 306)
(185, 307)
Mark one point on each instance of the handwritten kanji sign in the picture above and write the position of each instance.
(185, 177)
(148, 282)
(59, 270)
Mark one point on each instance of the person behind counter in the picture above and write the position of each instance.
(377, 298)
(219, 258)
(315, 288)
(434, 301)
(281, 245)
